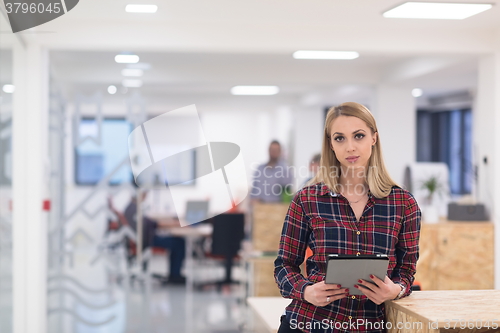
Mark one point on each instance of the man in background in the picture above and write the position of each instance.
(271, 179)
(174, 245)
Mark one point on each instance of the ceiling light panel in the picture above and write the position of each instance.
(127, 58)
(254, 90)
(336, 55)
(136, 8)
(8, 88)
(436, 10)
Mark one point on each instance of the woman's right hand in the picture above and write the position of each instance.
(322, 294)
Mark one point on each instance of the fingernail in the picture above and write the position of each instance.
(360, 281)
(356, 286)
(372, 276)
(347, 290)
(338, 286)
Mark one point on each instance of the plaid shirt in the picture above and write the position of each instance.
(325, 222)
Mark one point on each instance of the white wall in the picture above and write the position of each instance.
(308, 134)
(395, 113)
(487, 143)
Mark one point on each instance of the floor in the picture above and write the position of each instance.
(94, 296)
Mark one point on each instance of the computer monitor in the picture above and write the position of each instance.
(196, 211)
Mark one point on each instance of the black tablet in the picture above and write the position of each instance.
(346, 270)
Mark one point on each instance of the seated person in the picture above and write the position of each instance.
(174, 245)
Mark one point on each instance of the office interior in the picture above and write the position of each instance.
(66, 113)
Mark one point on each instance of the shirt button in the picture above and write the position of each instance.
(358, 254)
(350, 317)
(357, 233)
(353, 297)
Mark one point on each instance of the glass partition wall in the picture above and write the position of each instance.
(6, 91)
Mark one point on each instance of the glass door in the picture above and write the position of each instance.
(7, 39)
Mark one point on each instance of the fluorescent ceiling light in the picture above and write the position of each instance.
(141, 8)
(127, 58)
(132, 72)
(304, 54)
(112, 90)
(417, 92)
(437, 10)
(8, 88)
(131, 83)
(255, 90)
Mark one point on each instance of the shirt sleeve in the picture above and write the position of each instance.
(292, 247)
(407, 246)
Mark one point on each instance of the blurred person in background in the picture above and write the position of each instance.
(313, 167)
(175, 246)
(273, 179)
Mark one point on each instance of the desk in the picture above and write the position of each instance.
(269, 311)
(190, 234)
(435, 311)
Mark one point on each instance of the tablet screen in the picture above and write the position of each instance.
(346, 270)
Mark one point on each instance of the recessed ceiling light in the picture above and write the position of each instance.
(132, 72)
(112, 90)
(417, 92)
(127, 58)
(305, 54)
(131, 83)
(255, 90)
(141, 8)
(8, 88)
(437, 10)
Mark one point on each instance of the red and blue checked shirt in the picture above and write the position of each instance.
(325, 222)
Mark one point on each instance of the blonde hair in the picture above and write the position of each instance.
(378, 179)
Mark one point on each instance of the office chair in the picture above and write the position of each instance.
(228, 232)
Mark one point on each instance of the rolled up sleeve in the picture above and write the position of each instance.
(407, 246)
(292, 247)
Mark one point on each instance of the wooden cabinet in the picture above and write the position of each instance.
(267, 224)
(262, 275)
(456, 256)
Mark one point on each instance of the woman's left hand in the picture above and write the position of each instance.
(379, 291)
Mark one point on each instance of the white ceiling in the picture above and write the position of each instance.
(203, 48)
(264, 26)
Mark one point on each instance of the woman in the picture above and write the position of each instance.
(352, 206)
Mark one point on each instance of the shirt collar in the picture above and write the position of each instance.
(324, 190)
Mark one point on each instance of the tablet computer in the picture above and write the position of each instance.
(346, 270)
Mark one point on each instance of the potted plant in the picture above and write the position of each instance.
(433, 186)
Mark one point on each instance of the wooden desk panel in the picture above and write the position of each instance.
(456, 256)
(445, 311)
